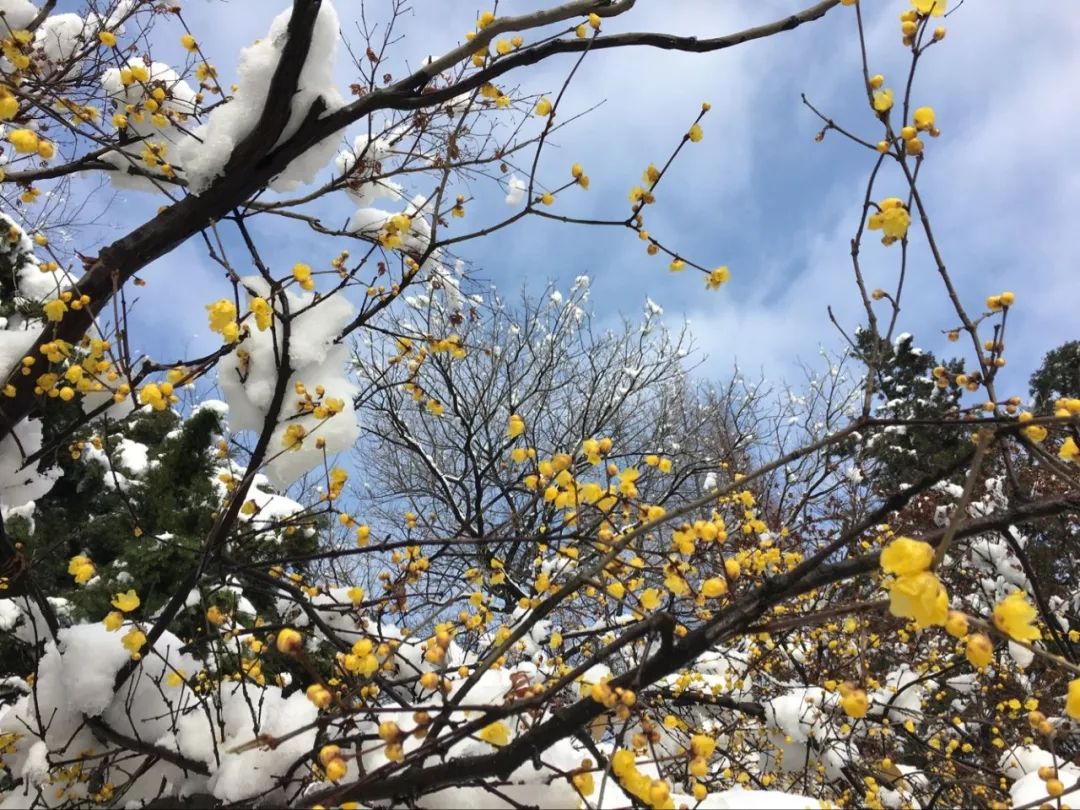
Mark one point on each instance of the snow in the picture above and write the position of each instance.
(179, 104)
(1030, 790)
(315, 360)
(132, 456)
(18, 13)
(1021, 759)
(60, 36)
(14, 344)
(516, 191)
(742, 799)
(249, 772)
(75, 679)
(204, 157)
(19, 485)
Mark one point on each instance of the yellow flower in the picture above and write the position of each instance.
(221, 313)
(883, 100)
(107, 38)
(979, 650)
(956, 625)
(1014, 615)
(677, 265)
(1036, 433)
(302, 273)
(496, 734)
(1072, 702)
(892, 219)
(713, 587)
(260, 308)
(175, 678)
(485, 19)
(650, 599)
(584, 783)
(189, 43)
(696, 133)
(935, 8)
(293, 437)
(719, 276)
(133, 641)
(1069, 451)
(924, 118)
(9, 106)
(853, 701)
(113, 621)
(81, 568)
(25, 141)
(54, 310)
(921, 597)
(289, 641)
(126, 602)
(516, 426)
(336, 769)
(905, 556)
(543, 106)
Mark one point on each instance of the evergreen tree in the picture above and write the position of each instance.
(906, 387)
(1057, 377)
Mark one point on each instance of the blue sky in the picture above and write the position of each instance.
(758, 193)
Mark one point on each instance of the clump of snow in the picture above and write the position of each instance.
(18, 13)
(516, 191)
(205, 156)
(18, 484)
(249, 771)
(249, 384)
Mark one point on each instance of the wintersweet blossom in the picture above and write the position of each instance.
(923, 118)
(25, 141)
(1014, 615)
(81, 568)
(956, 624)
(979, 650)
(892, 219)
(927, 8)
(515, 427)
(1072, 702)
(126, 602)
(883, 99)
(54, 310)
(718, 277)
(853, 701)
(263, 313)
(1069, 450)
(220, 314)
(496, 734)
(289, 641)
(713, 587)
(905, 556)
(133, 641)
(920, 597)
(113, 621)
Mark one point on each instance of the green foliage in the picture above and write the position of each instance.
(905, 388)
(1057, 377)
